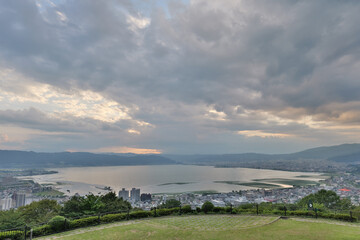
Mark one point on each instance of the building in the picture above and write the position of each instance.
(19, 199)
(135, 194)
(145, 197)
(6, 204)
(124, 194)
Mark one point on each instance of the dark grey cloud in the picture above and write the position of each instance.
(245, 59)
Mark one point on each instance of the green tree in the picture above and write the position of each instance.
(328, 198)
(171, 203)
(73, 207)
(91, 205)
(39, 212)
(207, 207)
(58, 223)
(11, 219)
(114, 204)
(345, 204)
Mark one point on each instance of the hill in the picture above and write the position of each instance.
(315, 159)
(23, 159)
(340, 153)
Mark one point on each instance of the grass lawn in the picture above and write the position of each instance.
(216, 227)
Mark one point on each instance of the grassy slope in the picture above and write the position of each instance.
(219, 227)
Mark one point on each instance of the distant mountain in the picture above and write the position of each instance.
(345, 153)
(23, 159)
(331, 152)
(339, 153)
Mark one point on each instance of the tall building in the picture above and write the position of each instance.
(6, 203)
(135, 194)
(124, 194)
(19, 199)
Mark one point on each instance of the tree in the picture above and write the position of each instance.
(207, 207)
(72, 207)
(113, 203)
(171, 203)
(58, 223)
(345, 204)
(329, 198)
(39, 212)
(11, 219)
(91, 205)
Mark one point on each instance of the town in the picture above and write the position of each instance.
(15, 192)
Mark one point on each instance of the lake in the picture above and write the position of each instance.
(167, 178)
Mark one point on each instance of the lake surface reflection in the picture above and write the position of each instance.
(161, 178)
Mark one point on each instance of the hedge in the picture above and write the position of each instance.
(113, 217)
(301, 213)
(42, 230)
(84, 222)
(13, 235)
(186, 209)
(166, 212)
(140, 214)
(343, 217)
(218, 210)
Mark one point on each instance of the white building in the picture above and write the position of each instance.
(124, 194)
(6, 204)
(218, 203)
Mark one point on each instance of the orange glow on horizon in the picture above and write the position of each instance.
(129, 150)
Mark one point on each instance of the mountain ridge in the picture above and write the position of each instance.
(344, 153)
(30, 159)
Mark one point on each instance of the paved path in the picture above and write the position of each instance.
(326, 221)
(89, 229)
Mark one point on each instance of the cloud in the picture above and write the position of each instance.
(185, 77)
(261, 134)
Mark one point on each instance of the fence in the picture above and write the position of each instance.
(44, 229)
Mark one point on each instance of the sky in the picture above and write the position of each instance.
(179, 77)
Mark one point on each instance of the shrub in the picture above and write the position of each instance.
(42, 230)
(278, 212)
(186, 209)
(58, 223)
(218, 210)
(246, 206)
(13, 235)
(207, 207)
(166, 212)
(229, 210)
(301, 213)
(344, 217)
(327, 215)
(140, 214)
(113, 217)
(246, 210)
(83, 222)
